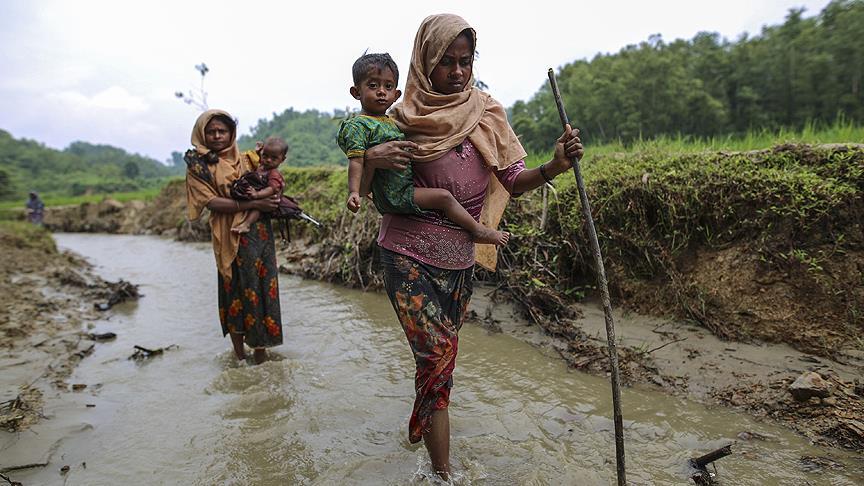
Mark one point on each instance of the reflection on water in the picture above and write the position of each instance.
(333, 407)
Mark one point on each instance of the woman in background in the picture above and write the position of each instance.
(248, 283)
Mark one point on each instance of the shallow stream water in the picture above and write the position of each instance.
(333, 405)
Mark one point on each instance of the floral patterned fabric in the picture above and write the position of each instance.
(392, 190)
(431, 303)
(249, 301)
(197, 166)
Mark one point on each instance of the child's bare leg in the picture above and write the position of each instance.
(250, 219)
(441, 199)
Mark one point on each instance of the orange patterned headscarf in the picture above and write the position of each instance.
(199, 193)
(439, 122)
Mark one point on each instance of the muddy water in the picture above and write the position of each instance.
(332, 408)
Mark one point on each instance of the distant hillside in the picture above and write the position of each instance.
(311, 135)
(82, 168)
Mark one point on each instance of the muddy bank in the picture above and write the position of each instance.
(49, 299)
(164, 215)
(738, 249)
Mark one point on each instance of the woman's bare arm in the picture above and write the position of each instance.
(226, 205)
(390, 155)
(568, 146)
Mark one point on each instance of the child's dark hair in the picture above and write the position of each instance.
(366, 61)
(278, 143)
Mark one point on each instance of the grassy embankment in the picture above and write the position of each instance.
(15, 209)
(22, 235)
(757, 237)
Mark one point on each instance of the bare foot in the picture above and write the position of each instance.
(241, 228)
(486, 235)
(259, 355)
(444, 475)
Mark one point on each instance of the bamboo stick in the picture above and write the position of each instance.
(604, 289)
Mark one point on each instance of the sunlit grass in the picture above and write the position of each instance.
(841, 131)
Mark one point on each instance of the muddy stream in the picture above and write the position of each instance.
(333, 405)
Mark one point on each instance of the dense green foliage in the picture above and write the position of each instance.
(807, 70)
(310, 134)
(82, 168)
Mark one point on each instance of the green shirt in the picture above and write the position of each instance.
(358, 133)
(392, 190)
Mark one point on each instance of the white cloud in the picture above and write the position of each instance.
(113, 98)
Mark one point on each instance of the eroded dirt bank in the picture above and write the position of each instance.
(49, 297)
(164, 215)
(735, 250)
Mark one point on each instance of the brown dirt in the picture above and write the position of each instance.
(49, 298)
(164, 215)
(689, 361)
(739, 297)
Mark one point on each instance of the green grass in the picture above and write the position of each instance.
(841, 131)
(15, 209)
(26, 235)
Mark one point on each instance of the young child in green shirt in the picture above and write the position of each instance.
(375, 80)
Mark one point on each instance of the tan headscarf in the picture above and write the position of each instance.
(439, 122)
(198, 193)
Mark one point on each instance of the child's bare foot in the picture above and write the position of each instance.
(241, 228)
(486, 235)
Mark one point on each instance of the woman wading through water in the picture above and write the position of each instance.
(248, 280)
(458, 139)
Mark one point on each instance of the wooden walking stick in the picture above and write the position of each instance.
(604, 289)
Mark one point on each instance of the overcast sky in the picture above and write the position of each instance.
(106, 71)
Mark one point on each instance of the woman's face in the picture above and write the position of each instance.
(454, 69)
(217, 135)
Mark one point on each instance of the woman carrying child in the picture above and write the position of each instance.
(248, 285)
(393, 192)
(458, 138)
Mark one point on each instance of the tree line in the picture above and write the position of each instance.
(81, 168)
(311, 136)
(806, 70)
(803, 71)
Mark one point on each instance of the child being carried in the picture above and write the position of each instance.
(375, 77)
(263, 182)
